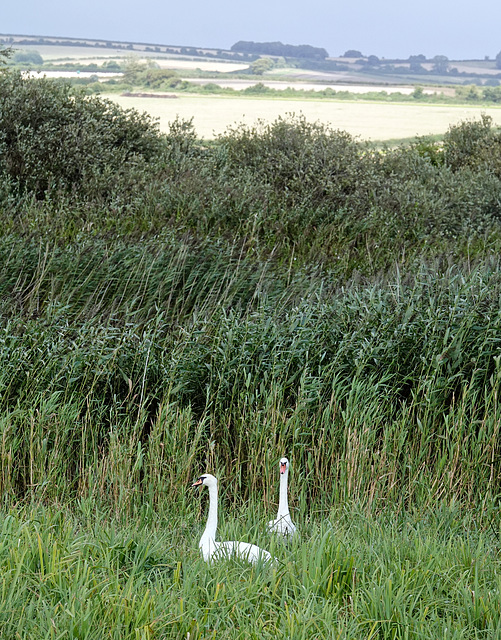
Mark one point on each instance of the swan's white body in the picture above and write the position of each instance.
(283, 523)
(212, 550)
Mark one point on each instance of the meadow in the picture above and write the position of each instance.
(212, 115)
(170, 306)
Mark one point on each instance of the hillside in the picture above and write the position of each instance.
(342, 69)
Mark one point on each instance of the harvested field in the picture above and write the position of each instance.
(369, 120)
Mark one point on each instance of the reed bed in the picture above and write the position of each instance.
(378, 392)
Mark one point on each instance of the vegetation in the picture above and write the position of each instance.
(279, 49)
(138, 75)
(169, 307)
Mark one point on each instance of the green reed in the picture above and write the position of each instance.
(125, 367)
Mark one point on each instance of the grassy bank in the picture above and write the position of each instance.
(85, 574)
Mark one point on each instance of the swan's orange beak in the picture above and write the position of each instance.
(198, 483)
(283, 467)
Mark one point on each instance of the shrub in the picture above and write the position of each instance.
(465, 143)
(53, 138)
(27, 57)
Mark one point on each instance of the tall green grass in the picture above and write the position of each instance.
(89, 574)
(114, 386)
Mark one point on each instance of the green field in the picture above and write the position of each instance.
(170, 307)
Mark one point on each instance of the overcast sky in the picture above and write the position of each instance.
(459, 29)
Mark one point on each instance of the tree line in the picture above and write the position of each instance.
(279, 49)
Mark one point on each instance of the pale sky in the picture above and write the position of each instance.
(459, 29)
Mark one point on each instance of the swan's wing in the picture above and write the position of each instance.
(245, 550)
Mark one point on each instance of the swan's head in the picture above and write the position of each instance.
(284, 465)
(207, 479)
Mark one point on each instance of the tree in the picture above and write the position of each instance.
(55, 139)
(440, 64)
(416, 67)
(280, 49)
(498, 61)
(352, 53)
(259, 66)
(27, 57)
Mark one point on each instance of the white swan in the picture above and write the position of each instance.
(283, 523)
(212, 550)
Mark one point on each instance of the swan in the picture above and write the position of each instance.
(212, 550)
(283, 523)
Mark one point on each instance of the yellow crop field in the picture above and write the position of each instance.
(367, 120)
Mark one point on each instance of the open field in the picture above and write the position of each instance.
(102, 75)
(59, 52)
(217, 66)
(88, 55)
(239, 84)
(348, 69)
(371, 121)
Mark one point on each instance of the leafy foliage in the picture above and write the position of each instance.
(52, 140)
(279, 49)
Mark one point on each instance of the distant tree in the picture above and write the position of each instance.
(493, 94)
(111, 65)
(280, 49)
(258, 88)
(352, 53)
(27, 57)
(259, 66)
(470, 93)
(373, 60)
(498, 61)
(440, 64)
(280, 62)
(416, 67)
(419, 58)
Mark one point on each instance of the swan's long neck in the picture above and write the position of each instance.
(283, 505)
(211, 526)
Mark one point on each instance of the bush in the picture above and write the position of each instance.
(466, 144)
(27, 57)
(54, 139)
